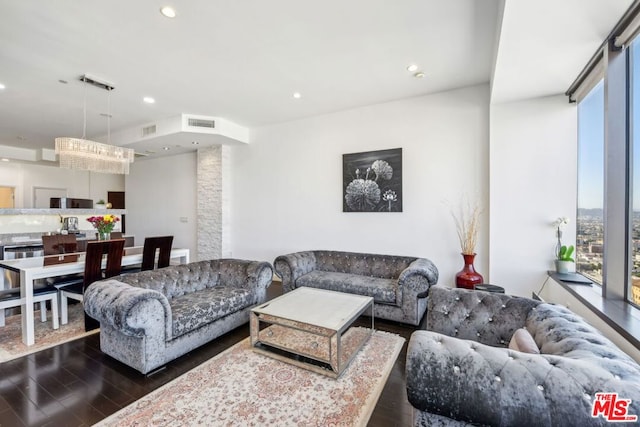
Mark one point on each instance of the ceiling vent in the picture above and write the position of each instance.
(148, 130)
(201, 123)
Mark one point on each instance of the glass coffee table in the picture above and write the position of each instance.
(311, 328)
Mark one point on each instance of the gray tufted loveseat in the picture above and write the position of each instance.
(459, 371)
(152, 317)
(398, 284)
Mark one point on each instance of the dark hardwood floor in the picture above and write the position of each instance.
(74, 384)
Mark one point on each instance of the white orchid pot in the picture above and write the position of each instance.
(564, 267)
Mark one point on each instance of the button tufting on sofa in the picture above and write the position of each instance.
(152, 317)
(398, 284)
(574, 358)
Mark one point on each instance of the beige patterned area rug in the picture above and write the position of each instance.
(240, 387)
(12, 347)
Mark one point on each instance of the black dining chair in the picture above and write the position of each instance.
(92, 273)
(161, 246)
(152, 245)
(59, 244)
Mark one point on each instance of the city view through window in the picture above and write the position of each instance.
(590, 227)
(590, 219)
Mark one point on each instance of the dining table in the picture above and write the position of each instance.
(32, 269)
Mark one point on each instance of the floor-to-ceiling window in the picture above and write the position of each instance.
(608, 217)
(633, 290)
(590, 219)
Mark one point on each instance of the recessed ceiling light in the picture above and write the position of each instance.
(149, 100)
(168, 11)
(412, 68)
(166, 148)
(2, 86)
(419, 75)
(5, 159)
(297, 95)
(195, 142)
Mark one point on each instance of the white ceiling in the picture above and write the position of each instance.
(544, 44)
(243, 60)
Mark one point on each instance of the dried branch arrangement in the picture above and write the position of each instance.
(467, 226)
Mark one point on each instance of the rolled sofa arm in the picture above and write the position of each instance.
(419, 276)
(290, 267)
(468, 381)
(259, 274)
(125, 308)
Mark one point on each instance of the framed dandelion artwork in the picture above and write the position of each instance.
(372, 181)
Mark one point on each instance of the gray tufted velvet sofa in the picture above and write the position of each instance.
(398, 284)
(152, 317)
(459, 371)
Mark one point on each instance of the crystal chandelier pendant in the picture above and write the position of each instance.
(84, 154)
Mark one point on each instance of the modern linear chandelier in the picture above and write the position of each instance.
(84, 154)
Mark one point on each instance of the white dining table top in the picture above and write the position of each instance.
(53, 265)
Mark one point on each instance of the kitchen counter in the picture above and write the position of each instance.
(35, 243)
(19, 225)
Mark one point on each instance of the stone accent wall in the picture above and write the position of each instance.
(213, 211)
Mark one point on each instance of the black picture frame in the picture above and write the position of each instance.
(372, 181)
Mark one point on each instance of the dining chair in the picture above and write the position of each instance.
(160, 245)
(11, 298)
(50, 245)
(92, 273)
(59, 244)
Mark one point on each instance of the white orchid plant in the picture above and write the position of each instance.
(563, 253)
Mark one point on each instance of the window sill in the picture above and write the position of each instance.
(618, 314)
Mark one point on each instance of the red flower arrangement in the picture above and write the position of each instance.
(104, 224)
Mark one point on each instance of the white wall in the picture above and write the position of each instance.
(80, 184)
(532, 182)
(287, 184)
(159, 193)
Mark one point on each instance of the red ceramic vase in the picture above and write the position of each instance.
(468, 277)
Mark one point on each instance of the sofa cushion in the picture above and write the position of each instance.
(196, 309)
(382, 290)
(524, 342)
(382, 266)
(177, 280)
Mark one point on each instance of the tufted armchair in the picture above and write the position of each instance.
(460, 370)
(398, 284)
(152, 317)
